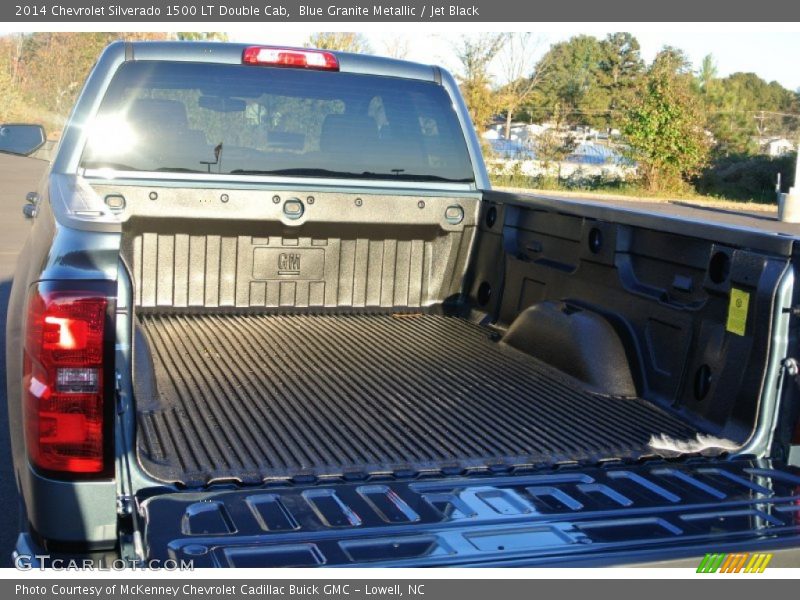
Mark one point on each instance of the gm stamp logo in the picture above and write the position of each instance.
(283, 264)
(738, 562)
(288, 263)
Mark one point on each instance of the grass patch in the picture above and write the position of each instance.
(732, 180)
(632, 190)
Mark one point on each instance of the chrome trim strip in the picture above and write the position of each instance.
(760, 442)
(111, 175)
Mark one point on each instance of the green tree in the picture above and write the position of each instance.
(49, 69)
(10, 48)
(664, 128)
(707, 74)
(621, 69)
(569, 78)
(55, 65)
(744, 109)
(673, 60)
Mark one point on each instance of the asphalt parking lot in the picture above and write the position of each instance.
(18, 176)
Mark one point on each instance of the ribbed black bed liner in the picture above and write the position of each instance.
(255, 397)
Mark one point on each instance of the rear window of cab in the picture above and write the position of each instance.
(255, 120)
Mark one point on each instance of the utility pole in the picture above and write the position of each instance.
(789, 203)
(796, 182)
(760, 118)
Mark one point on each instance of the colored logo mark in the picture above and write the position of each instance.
(738, 562)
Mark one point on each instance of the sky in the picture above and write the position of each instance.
(771, 50)
(772, 55)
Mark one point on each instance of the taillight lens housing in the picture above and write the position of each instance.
(297, 58)
(64, 380)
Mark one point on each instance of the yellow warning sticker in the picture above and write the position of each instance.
(737, 311)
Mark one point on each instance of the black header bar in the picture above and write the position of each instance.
(282, 11)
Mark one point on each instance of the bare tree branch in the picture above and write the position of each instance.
(346, 41)
(475, 55)
(520, 73)
(397, 46)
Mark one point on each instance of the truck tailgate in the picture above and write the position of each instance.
(571, 516)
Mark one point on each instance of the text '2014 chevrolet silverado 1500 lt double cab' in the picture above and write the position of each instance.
(270, 313)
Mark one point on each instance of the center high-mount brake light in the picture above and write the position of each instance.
(290, 57)
(64, 381)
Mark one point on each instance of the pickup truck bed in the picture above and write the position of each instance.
(250, 397)
(250, 344)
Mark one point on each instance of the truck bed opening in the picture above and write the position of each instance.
(377, 338)
(252, 397)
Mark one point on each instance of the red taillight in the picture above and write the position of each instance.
(290, 57)
(63, 380)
